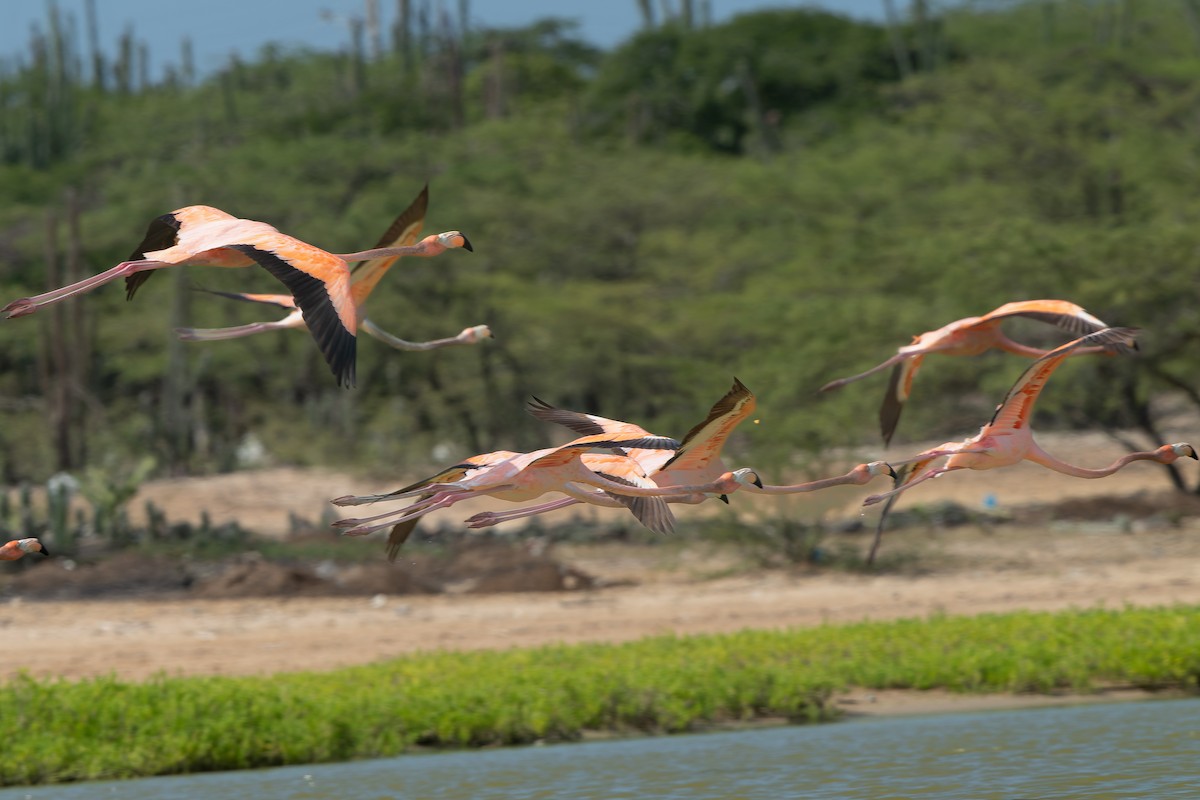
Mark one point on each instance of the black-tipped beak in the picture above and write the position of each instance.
(757, 481)
(891, 472)
(1192, 453)
(46, 552)
(467, 244)
(724, 498)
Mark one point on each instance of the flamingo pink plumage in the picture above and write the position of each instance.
(1008, 438)
(364, 275)
(201, 235)
(696, 458)
(968, 337)
(533, 474)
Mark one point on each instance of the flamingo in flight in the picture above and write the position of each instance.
(17, 548)
(364, 276)
(731, 409)
(530, 475)
(969, 337)
(318, 280)
(1008, 438)
(650, 511)
(696, 458)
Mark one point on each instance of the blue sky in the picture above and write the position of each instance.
(219, 28)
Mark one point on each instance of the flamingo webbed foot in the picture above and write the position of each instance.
(484, 519)
(19, 308)
(354, 500)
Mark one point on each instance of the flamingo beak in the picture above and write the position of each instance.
(1191, 453)
(724, 498)
(757, 481)
(891, 472)
(45, 552)
(467, 244)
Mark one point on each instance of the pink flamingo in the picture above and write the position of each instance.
(533, 474)
(694, 460)
(364, 276)
(697, 457)
(969, 337)
(650, 511)
(17, 548)
(318, 280)
(1008, 438)
(857, 476)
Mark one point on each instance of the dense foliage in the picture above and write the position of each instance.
(767, 198)
(106, 728)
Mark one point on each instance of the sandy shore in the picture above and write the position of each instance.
(137, 639)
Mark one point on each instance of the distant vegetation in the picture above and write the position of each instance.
(785, 197)
(57, 731)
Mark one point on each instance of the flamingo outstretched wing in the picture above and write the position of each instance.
(1067, 316)
(163, 232)
(703, 443)
(589, 424)
(1014, 410)
(280, 300)
(904, 475)
(1062, 314)
(898, 390)
(564, 454)
(404, 231)
(653, 512)
(320, 283)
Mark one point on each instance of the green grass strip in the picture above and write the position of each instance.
(104, 728)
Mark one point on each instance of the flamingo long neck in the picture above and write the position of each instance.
(1016, 348)
(811, 486)
(840, 382)
(1039, 456)
(361, 287)
(712, 487)
(428, 246)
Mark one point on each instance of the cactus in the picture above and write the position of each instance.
(59, 490)
(27, 524)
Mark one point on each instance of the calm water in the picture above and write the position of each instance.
(1124, 750)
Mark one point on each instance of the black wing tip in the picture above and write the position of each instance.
(398, 535)
(161, 233)
(343, 361)
(337, 343)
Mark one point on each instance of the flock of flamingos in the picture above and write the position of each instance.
(611, 463)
